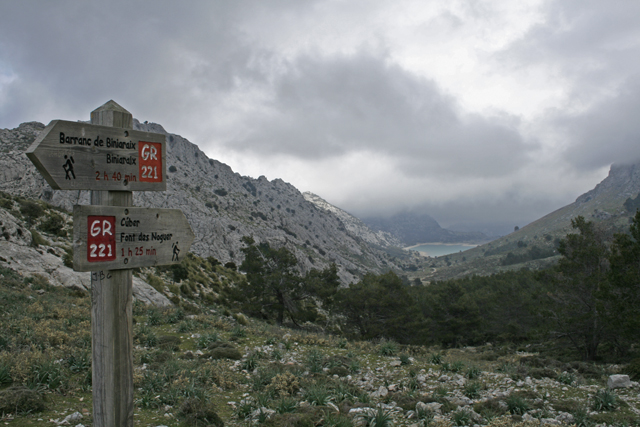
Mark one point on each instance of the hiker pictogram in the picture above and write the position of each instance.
(68, 167)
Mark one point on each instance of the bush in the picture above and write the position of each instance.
(517, 405)
(489, 409)
(54, 224)
(225, 351)
(387, 348)
(461, 417)
(199, 413)
(633, 369)
(604, 400)
(472, 390)
(30, 210)
(20, 400)
(169, 342)
(37, 239)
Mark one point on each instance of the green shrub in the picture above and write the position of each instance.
(286, 405)
(154, 317)
(489, 409)
(67, 258)
(238, 332)
(225, 352)
(200, 413)
(5, 374)
(207, 339)
(581, 418)
(517, 405)
(472, 390)
(387, 348)
(30, 210)
(20, 400)
(473, 372)
(47, 374)
(435, 358)
(633, 369)
(566, 378)
(315, 361)
(316, 394)
(604, 400)
(54, 224)
(539, 373)
(380, 418)
(37, 239)
(155, 282)
(461, 417)
(169, 342)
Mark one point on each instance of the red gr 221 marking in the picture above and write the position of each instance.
(101, 238)
(150, 161)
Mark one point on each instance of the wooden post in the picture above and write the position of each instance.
(111, 312)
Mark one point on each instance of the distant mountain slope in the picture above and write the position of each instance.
(611, 203)
(221, 206)
(353, 225)
(412, 229)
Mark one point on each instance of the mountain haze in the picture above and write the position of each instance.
(414, 228)
(222, 206)
(611, 204)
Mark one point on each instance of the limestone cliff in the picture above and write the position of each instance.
(221, 206)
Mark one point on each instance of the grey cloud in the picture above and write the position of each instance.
(607, 133)
(150, 56)
(593, 48)
(324, 107)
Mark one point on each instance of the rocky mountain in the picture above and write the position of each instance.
(353, 224)
(221, 206)
(414, 228)
(18, 252)
(611, 203)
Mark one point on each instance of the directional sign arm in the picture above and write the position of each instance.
(113, 238)
(81, 156)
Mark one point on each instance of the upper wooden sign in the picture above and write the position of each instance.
(115, 237)
(81, 156)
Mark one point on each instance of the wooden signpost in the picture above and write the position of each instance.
(116, 238)
(111, 237)
(80, 156)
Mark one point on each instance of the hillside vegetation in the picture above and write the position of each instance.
(482, 350)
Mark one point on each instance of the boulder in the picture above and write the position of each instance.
(618, 381)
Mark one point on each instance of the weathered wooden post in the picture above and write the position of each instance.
(111, 237)
(111, 311)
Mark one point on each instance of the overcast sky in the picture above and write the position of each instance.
(481, 113)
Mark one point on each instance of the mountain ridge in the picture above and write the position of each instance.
(611, 203)
(221, 205)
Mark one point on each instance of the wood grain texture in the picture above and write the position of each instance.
(81, 156)
(112, 321)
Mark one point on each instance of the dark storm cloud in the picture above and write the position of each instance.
(592, 47)
(328, 106)
(148, 55)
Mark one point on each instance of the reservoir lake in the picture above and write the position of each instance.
(440, 249)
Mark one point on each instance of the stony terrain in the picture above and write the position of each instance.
(44, 256)
(221, 207)
(246, 372)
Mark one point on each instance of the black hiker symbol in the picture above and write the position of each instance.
(68, 168)
(176, 251)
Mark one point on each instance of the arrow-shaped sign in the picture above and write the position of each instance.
(115, 238)
(81, 156)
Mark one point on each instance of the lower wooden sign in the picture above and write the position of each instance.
(115, 238)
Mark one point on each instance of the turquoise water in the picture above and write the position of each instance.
(441, 249)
